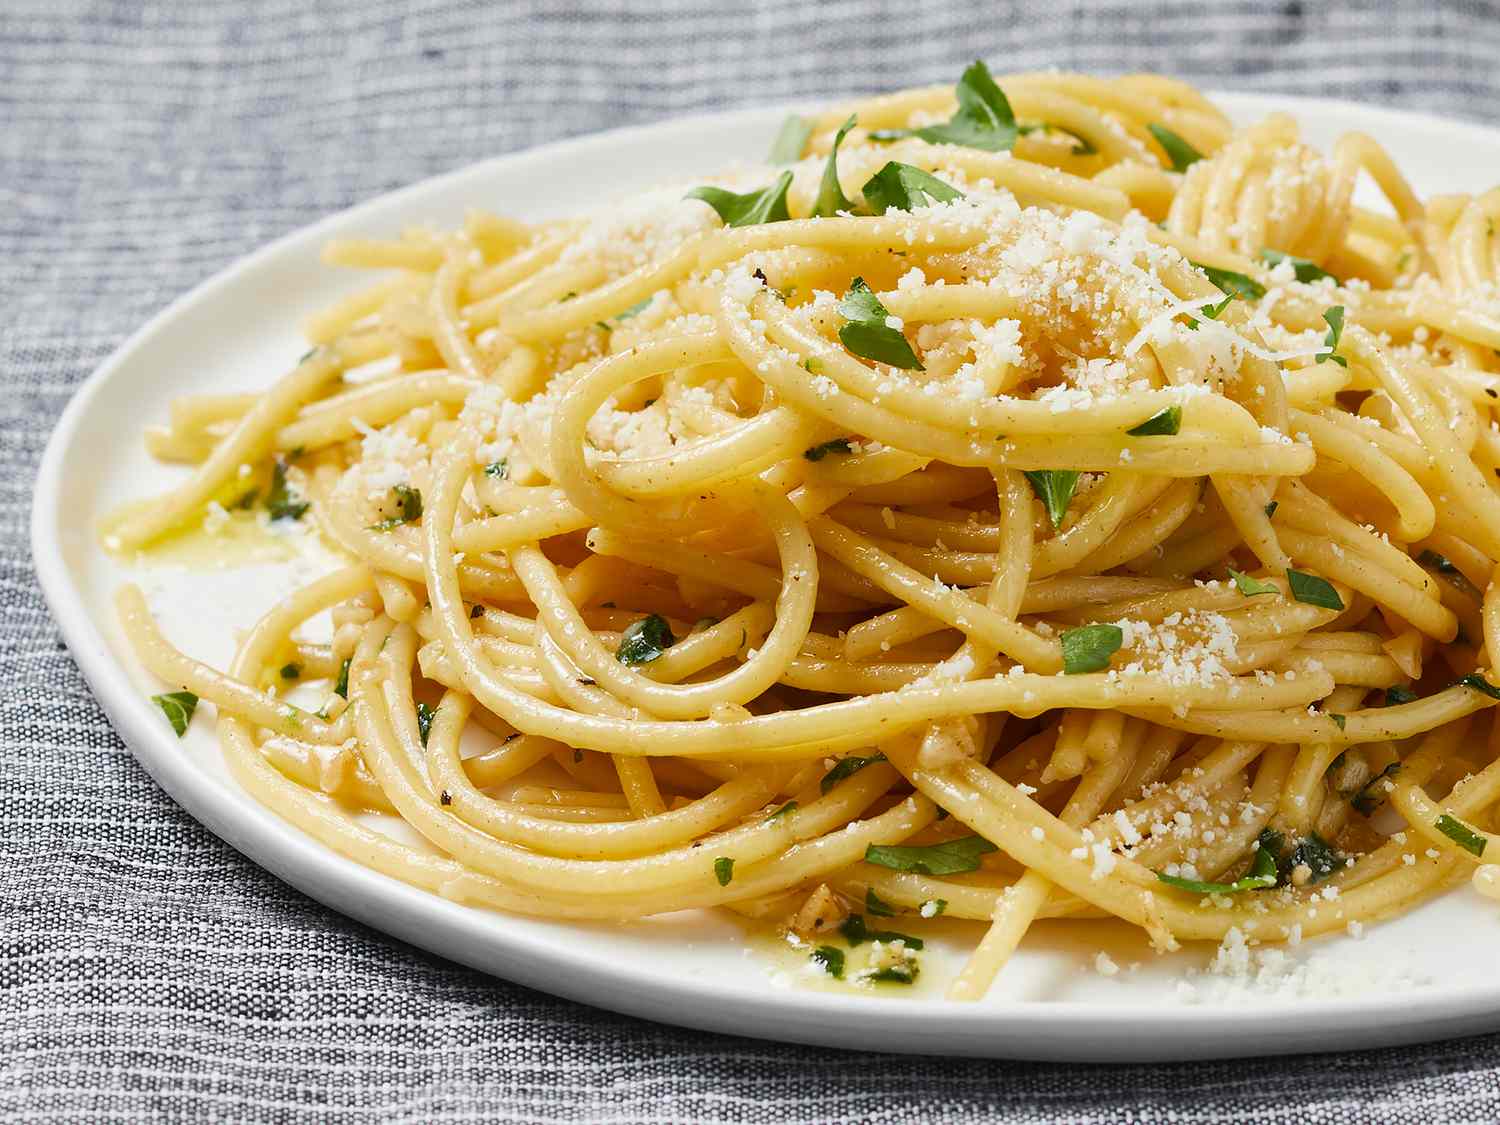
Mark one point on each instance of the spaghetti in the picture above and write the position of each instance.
(1033, 499)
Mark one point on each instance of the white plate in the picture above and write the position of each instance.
(1428, 975)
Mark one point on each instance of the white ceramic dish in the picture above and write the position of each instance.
(1428, 975)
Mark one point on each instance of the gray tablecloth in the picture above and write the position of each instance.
(146, 969)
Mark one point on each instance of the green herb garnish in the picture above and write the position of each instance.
(178, 707)
(866, 332)
(1338, 720)
(1262, 874)
(832, 960)
(409, 508)
(1182, 155)
(1395, 696)
(1055, 488)
(905, 188)
(1312, 590)
(847, 767)
(790, 141)
(1168, 421)
(837, 445)
(341, 687)
(291, 671)
(424, 721)
(831, 199)
(1234, 284)
(644, 640)
(1477, 681)
(891, 974)
(724, 870)
(1271, 509)
(1088, 648)
(768, 205)
(789, 807)
(1371, 793)
(984, 118)
(496, 470)
(856, 933)
(1334, 318)
(1250, 587)
(877, 905)
(1305, 270)
(952, 857)
(281, 502)
(1461, 834)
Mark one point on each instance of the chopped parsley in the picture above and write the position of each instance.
(341, 687)
(1168, 422)
(281, 502)
(951, 857)
(790, 141)
(1250, 587)
(891, 974)
(1305, 270)
(847, 767)
(291, 671)
(1477, 681)
(1338, 720)
(496, 470)
(777, 814)
(724, 870)
(905, 188)
(1055, 488)
(877, 905)
(1262, 874)
(1271, 509)
(1372, 793)
(1089, 647)
(424, 721)
(1312, 590)
(768, 205)
(831, 199)
(408, 505)
(856, 933)
(1395, 696)
(837, 445)
(644, 640)
(867, 331)
(1334, 318)
(984, 118)
(178, 707)
(1461, 834)
(1182, 155)
(831, 958)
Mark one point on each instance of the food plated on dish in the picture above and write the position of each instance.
(1029, 498)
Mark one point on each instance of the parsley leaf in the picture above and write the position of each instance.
(866, 333)
(342, 686)
(291, 671)
(281, 501)
(1182, 155)
(1168, 421)
(832, 960)
(496, 470)
(905, 188)
(1271, 508)
(856, 933)
(1372, 793)
(1338, 720)
(424, 721)
(1395, 696)
(1250, 587)
(1234, 284)
(831, 199)
(1088, 648)
(409, 502)
(1477, 681)
(847, 767)
(1055, 488)
(1334, 318)
(751, 209)
(1262, 874)
(1461, 834)
(790, 141)
(837, 445)
(1312, 590)
(1305, 270)
(178, 707)
(891, 974)
(724, 870)
(952, 857)
(878, 906)
(777, 814)
(644, 640)
(984, 118)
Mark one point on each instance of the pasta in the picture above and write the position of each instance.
(1027, 499)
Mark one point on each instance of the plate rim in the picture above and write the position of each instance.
(1042, 1030)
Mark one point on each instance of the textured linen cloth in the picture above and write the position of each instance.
(147, 970)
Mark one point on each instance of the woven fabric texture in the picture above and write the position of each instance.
(148, 971)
